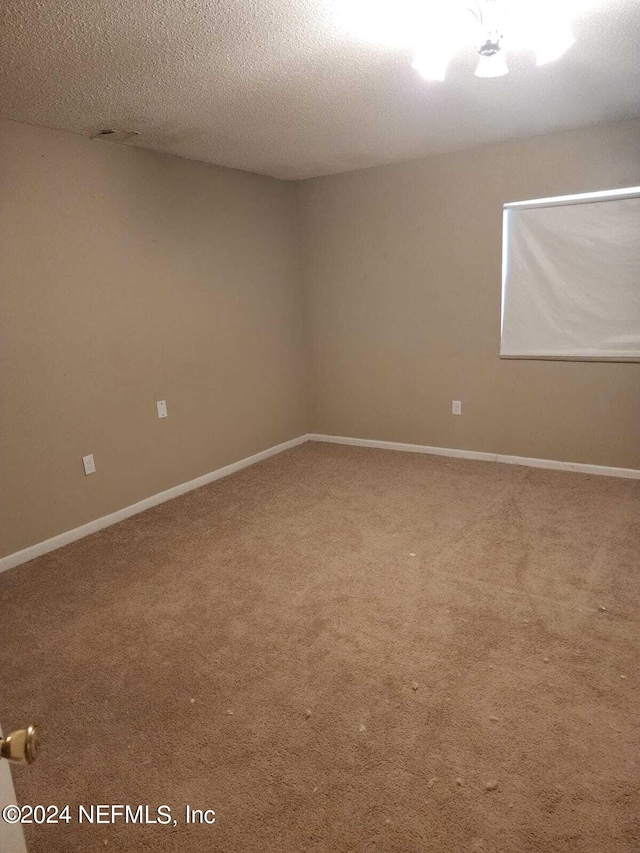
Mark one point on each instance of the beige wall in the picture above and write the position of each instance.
(129, 277)
(402, 269)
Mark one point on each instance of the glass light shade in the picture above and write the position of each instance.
(431, 66)
(492, 66)
(553, 45)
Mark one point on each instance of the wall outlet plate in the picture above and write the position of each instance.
(162, 408)
(456, 407)
(89, 464)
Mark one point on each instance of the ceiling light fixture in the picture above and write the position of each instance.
(492, 62)
(437, 29)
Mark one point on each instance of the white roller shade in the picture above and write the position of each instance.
(571, 277)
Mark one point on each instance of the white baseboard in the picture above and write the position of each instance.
(55, 542)
(580, 467)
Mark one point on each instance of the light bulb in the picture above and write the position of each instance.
(552, 45)
(492, 66)
(431, 66)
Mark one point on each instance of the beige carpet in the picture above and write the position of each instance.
(370, 639)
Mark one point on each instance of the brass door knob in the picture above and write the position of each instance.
(21, 746)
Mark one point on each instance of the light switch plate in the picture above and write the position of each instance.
(89, 464)
(456, 407)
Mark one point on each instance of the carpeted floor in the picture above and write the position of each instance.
(339, 649)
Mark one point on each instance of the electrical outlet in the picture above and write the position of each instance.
(456, 407)
(89, 464)
(162, 408)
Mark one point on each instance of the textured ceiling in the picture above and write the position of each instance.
(275, 86)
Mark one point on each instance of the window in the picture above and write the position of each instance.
(571, 277)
